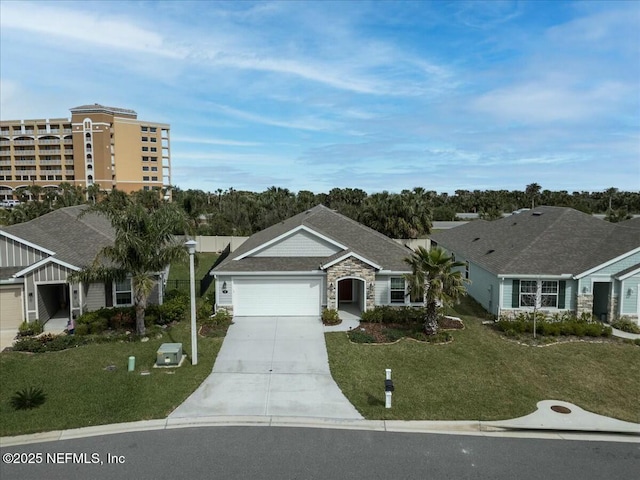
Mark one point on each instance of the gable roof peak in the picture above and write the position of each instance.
(334, 227)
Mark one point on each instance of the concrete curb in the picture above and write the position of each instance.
(475, 428)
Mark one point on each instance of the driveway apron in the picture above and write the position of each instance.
(270, 366)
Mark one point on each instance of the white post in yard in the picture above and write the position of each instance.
(191, 246)
(387, 391)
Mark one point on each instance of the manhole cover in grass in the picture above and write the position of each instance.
(560, 409)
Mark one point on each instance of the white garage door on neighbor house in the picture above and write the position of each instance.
(276, 296)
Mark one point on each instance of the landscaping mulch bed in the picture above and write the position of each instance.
(450, 323)
(392, 332)
(379, 330)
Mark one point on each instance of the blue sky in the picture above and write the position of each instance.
(371, 95)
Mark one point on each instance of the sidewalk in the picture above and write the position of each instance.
(619, 333)
(545, 423)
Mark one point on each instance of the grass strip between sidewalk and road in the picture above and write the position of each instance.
(482, 376)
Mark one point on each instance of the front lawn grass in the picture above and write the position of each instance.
(80, 392)
(203, 262)
(481, 376)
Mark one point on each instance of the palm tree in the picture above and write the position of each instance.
(144, 245)
(532, 191)
(434, 279)
(93, 192)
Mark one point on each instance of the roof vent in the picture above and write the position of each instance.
(537, 213)
(490, 251)
(475, 239)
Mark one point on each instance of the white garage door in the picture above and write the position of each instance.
(276, 296)
(10, 308)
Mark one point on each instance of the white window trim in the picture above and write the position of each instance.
(404, 298)
(538, 294)
(116, 291)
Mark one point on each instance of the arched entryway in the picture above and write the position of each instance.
(351, 296)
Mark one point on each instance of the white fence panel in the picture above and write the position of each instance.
(209, 243)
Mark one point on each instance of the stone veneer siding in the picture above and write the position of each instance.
(350, 267)
(585, 304)
(227, 308)
(614, 308)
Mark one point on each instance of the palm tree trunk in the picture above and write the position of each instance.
(431, 319)
(141, 306)
(431, 315)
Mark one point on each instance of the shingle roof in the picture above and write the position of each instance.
(630, 269)
(75, 239)
(356, 237)
(546, 240)
(632, 222)
(274, 264)
(7, 272)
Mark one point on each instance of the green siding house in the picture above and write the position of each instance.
(553, 259)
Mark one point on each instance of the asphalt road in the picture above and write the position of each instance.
(301, 453)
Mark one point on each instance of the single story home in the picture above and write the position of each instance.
(314, 260)
(554, 259)
(36, 258)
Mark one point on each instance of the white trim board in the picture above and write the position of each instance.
(628, 274)
(27, 243)
(607, 263)
(287, 234)
(268, 273)
(42, 262)
(351, 254)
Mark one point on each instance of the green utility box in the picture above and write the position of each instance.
(169, 354)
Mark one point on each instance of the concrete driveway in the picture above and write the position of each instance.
(270, 366)
(7, 337)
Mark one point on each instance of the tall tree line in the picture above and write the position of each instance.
(408, 214)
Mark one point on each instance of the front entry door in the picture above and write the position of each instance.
(345, 290)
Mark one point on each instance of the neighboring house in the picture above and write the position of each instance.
(315, 259)
(553, 258)
(37, 256)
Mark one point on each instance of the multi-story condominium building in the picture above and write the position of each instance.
(99, 145)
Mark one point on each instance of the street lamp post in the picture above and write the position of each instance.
(191, 247)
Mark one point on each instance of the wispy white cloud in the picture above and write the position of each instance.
(225, 159)
(371, 95)
(615, 27)
(114, 31)
(486, 14)
(544, 101)
(307, 123)
(213, 141)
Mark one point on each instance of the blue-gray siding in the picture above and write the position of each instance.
(629, 296)
(300, 244)
(604, 274)
(17, 254)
